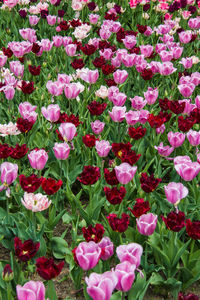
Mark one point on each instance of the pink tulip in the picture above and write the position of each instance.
(101, 286)
(166, 56)
(55, 88)
(3, 60)
(138, 102)
(119, 99)
(177, 52)
(193, 137)
(9, 92)
(186, 62)
(106, 53)
(68, 131)
(97, 126)
(132, 117)
(34, 290)
(175, 192)
(118, 113)
(125, 273)
(129, 60)
(102, 148)
(185, 37)
(93, 18)
(131, 253)
(64, 78)
(176, 139)
(71, 90)
(187, 169)
(125, 172)
(35, 202)
(151, 95)
(160, 47)
(105, 33)
(107, 248)
(88, 255)
(146, 50)
(8, 172)
(186, 90)
(38, 158)
(51, 20)
(33, 20)
(129, 41)
(71, 49)
(160, 129)
(146, 224)
(164, 150)
(61, 150)
(57, 41)
(27, 111)
(17, 68)
(67, 40)
(90, 76)
(120, 76)
(51, 113)
(166, 68)
(194, 23)
(197, 101)
(28, 34)
(46, 44)
(115, 62)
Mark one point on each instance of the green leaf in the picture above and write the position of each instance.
(116, 296)
(50, 291)
(59, 247)
(179, 254)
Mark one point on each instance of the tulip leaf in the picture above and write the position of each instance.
(50, 291)
(179, 254)
(59, 247)
(116, 296)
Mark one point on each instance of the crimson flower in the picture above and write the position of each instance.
(47, 269)
(98, 62)
(118, 147)
(90, 175)
(149, 183)
(35, 71)
(193, 229)
(137, 133)
(141, 28)
(88, 49)
(174, 221)
(35, 48)
(129, 156)
(94, 234)
(140, 208)
(64, 25)
(176, 107)
(77, 64)
(25, 251)
(110, 177)
(118, 224)
(89, 140)
(155, 121)
(27, 88)
(50, 186)
(115, 196)
(75, 23)
(7, 52)
(185, 124)
(31, 183)
(189, 296)
(96, 108)
(5, 150)
(19, 151)
(107, 69)
(24, 125)
(146, 74)
(164, 103)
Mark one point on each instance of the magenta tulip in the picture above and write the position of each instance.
(61, 150)
(131, 253)
(125, 273)
(32, 290)
(125, 172)
(38, 158)
(146, 224)
(175, 192)
(88, 255)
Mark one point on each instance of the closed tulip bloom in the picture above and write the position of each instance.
(129, 41)
(125, 273)
(57, 41)
(90, 76)
(193, 137)
(68, 131)
(93, 18)
(71, 90)
(9, 92)
(188, 171)
(146, 224)
(125, 172)
(187, 62)
(88, 255)
(51, 113)
(8, 172)
(51, 20)
(33, 20)
(17, 68)
(131, 253)
(35, 202)
(185, 36)
(151, 95)
(71, 49)
(166, 68)
(3, 60)
(61, 150)
(34, 290)
(138, 102)
(176, 139)
(120, 76)
(186, 90)
(38, 158)
(103, 148)
(101, 286)
(97, 126)
(118, 113)
(107, 248)
(54, 88)
(175, 192)
(119, 99)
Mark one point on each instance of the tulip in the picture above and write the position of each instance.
(35, 202)
(17, 68)
(71, 90)
(88, 255)
(3, 60)
(107, 248)
(187, 169)
(8, 172)
(186, 90)
(90, 76)
(33, 20)
(125, 275)
(101, 286)
(51, 113)
(118, 113)
(57, 41)
(61, 150)
(38, 158)
(146, 50)
(129, 41)
(119, 99)
(193, 137)
(54, 88)
(176, 139)
(185, 37)
(71, 49)
(138, 102)
(151, 95)
(68, 131)
(120, 76)
(131, 253)
(187, 62)
(97, 126)
(51, 20)
(34, 290)
(125, 172)
(146, 224)
(27, 111)
(175, 192)
(9, 92)
(93, 18)
(164, 150)
(102, 148)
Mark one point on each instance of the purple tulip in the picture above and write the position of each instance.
(125, 172)
(175, 192)
(88, 255)
(107, 248)
(146, 224)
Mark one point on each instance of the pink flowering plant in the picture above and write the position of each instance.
(99, 148)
